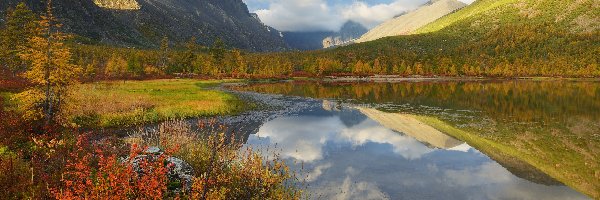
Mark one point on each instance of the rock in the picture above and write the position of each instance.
(153, 151)
(180, 174)
(181, 171)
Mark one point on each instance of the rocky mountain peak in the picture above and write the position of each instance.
(118, 4)
(350, 31)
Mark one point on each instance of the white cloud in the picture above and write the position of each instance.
(468, 1)
(303, 138)
(371, 16)
(317, 15)
(288, 15)
(317, 171)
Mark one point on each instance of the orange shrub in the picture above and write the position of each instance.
(101, 175)
(224, 170)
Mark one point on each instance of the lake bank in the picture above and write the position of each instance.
(397, 78)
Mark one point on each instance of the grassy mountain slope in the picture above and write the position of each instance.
(409, 22)
(575, 15)
(476, 8)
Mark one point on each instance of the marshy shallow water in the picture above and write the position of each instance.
(433, 139)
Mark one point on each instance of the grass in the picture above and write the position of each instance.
(5, 97)
(483, 13)
(118, 103)
(571, 173)
(476, 8)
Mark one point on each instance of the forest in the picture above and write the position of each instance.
(517, 49)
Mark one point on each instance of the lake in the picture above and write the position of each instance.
(488, 139)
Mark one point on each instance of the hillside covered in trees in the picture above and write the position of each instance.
(504, 38)
(491, 38)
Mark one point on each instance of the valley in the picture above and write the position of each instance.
(180, 99)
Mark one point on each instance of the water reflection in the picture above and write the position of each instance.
(552, 125)
(408, 125)
(362, 153)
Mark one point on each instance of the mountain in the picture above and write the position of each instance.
(324, 39)
(144, 22)
(306, 40)
(349, 32)
(407, 23)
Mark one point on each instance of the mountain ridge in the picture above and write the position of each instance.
(123, 23)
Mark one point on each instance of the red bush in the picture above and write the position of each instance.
(97, 174)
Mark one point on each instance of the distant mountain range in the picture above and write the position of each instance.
(403, 24)
(144, 22)
(324, 39)
(409, 22)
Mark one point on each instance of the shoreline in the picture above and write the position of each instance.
(395, 78)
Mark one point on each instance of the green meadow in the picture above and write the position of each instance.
(127, 103)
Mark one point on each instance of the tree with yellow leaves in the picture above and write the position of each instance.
(116, 67)
(241, 68)
(51, 72)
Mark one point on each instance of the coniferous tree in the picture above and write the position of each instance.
(19, 27)
(217, 50)
(188, 56)
(241, 64)
(164, 53)
(134, 65)
(50, 72)
(377, 67)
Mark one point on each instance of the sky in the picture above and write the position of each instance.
(328, 15)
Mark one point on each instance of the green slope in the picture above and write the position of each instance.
(473, 10)
(485, 15)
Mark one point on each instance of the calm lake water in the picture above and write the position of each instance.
(439, 139)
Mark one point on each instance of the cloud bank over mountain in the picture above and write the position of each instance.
(328, 15)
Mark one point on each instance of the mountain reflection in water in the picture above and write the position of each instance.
(363, 153)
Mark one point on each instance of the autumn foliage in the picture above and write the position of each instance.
(224, 168)
(103, 175)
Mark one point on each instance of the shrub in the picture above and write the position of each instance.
(223, 170)
(14, 173)
(100, 174)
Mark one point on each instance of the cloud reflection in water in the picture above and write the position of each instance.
(365, 160)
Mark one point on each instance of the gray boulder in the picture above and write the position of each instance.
(180, 174)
